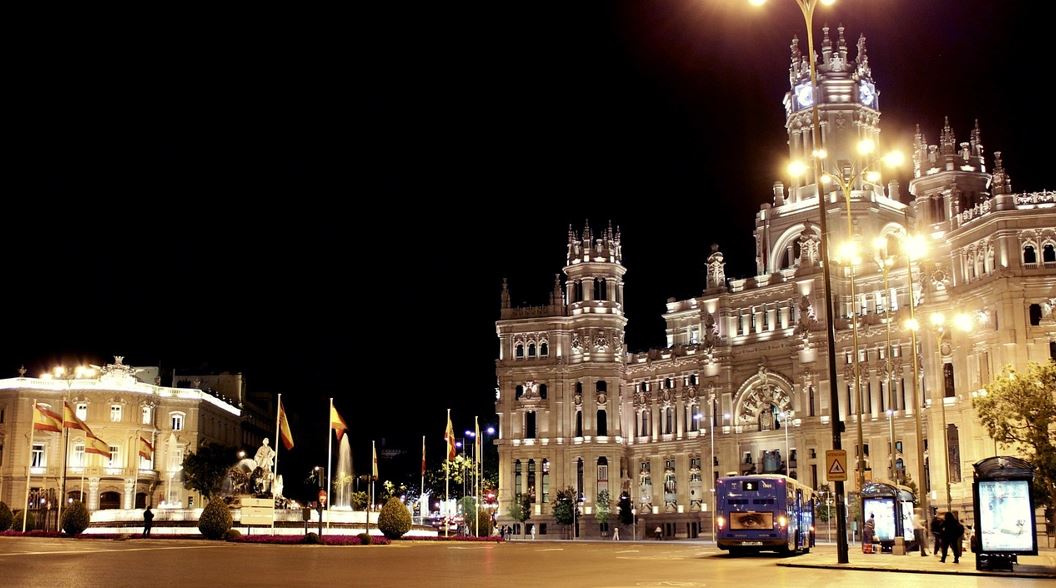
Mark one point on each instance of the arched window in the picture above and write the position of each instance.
(542, 391)
(601, 387)
(603, 475)
(579, 478)
(1048, 253)
(603, 426)
(669, 420)
(1029, 254)
(517, 479)
(693, 420)
(531, 479)
(579, 423)
(519, 351)
(518, 391)
(810, 400)
(109, 500)
(579, 387)
(645, 424)
(529, 425)
(531, 350)
(544, 349)
(947, 379)
(1034, 314)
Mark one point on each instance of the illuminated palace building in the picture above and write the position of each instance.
(120, 404)
(743, 384)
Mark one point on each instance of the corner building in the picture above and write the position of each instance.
(743, 384)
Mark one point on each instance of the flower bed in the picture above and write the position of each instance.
(489, 539)
(299, 539)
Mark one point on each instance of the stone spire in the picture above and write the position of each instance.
(716, 269)
(826, 44)
(841, 42)
(947, 140)
(920, 149)
(794, 71)
(977, 140)
(505, 299)
(862, 59)
(556, 298)
(1002, 182)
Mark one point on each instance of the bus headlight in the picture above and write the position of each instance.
(722, 522)
(782, 521)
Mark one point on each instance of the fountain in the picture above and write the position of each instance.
(343, 479)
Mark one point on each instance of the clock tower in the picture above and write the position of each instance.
(848, 108)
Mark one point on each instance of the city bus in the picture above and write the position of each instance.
(767, 512)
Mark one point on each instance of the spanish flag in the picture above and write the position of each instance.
(374, 467)
(336, 422)
(449, 436)
(44, 419)
(70, 420)
(146, 450)
(93, 444)
(284, 428)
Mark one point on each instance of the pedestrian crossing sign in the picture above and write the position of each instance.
(836, 465)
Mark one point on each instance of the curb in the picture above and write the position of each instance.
(966, 572)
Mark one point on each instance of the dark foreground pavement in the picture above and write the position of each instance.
(53, 563)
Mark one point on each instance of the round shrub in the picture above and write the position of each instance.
(75, 519)
(312, 539)
(6, 517)
(31, 521)
(215, 520)
(232, 535)
(395, 519)
(484, 524)
(364, 538)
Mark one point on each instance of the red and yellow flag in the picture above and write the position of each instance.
(70, 420)
(44, 419)
(423, 455)
(284, 428)
(93, 444)
(337, 423)
(374, 467)
(449, 436)
(146, 449)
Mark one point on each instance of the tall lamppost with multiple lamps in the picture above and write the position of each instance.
(912, 247)
(61, 373)
(807, 7)
(884, 261)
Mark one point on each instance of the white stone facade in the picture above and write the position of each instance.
(743, 383)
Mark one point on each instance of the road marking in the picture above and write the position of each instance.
(107, 550)
(552, 549)
(628, 551)
(458, 547)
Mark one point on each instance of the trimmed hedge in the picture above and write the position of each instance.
(232, 535)
(6, 517)
(215, 520)
(75, 519)
(395, 519)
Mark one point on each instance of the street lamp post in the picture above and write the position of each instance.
(807, 8)
(60, 373)
(962, 322)
(913, 247)
(787, 417)
(884, 261)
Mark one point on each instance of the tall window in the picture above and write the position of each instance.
(82, 411)
(38, 458)
(1, 416)
(544, 349)
(115, 457)
(669, 420)
(78, 455)
(546, 482)
(176, 459)
(531, 479)
(529, 424)
(1048, 253)
(694, 417)
(517, 481)
(810, 400)
(947, 380)
(115, 413)
(1, 453)
(1029, 255)
(645, 424)
(176, 418)
(531, 350)
(953, 447)
(603, 425)
(519, 351)
(579, 423)
(603, 475)
(579, 478)
(147, 415)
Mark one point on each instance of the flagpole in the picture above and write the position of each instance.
(329, 458)
(65, 453)
(278, 442)
(421, 489)
(447, 476)
(29, 466)
(373, 474)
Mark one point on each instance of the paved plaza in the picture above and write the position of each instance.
(53, 563)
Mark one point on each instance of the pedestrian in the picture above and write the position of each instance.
(533, 532)
(659, 533)
(870, 530)
(616, 534)
(936, 534)
(920, 535)
(148, 521)
(952, 534)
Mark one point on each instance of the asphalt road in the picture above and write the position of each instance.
(151, 563)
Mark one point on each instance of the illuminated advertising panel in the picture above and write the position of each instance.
(742, 521)
(883, 512)
(907, 520)
(1004, 516)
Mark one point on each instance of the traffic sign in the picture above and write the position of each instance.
(836, 465)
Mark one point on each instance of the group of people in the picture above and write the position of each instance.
(946, 533)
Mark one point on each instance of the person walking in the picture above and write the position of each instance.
(659, 533)
(920, 534)
(936, 534)
(870, 530)
(952, 534)
(616, 534)
(148, 521)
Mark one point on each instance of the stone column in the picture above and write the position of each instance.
(129, 499)
(93, 493)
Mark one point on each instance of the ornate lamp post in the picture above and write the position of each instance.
(884, 261)
(913, 247)
(962, 322)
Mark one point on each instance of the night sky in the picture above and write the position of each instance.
(328, 202)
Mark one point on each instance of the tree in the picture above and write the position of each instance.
(564, 506)
(6, 517)
(626, 510)
(205, 469)
(215, 519)
(359, 500)
(603, 512)
(522, 512)
(395, 519)
(1019, 410)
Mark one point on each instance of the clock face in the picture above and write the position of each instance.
(804, 95)
(866, 93)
